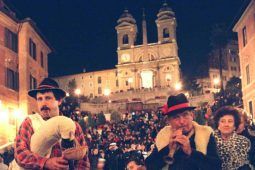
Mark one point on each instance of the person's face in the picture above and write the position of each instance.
(182, 121)
(47, 104)
(132, 166)
(226, 125)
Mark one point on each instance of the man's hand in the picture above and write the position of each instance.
(184, 143)
(56, 163)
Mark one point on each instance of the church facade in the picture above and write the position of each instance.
(144, 66)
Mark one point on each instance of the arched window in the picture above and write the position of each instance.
(125, 39)
(165, 33)
(151, 57)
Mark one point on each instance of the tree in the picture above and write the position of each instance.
(219, 39)
(192, 86)
(70, 103)
(101, 119)
(233, 94)
(72, 85)
(91, 120)
(116, 117)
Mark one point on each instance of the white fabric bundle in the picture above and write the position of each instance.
(47, 133)
(50, 132)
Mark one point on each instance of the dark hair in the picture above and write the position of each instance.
(56, 95)
(227, 110)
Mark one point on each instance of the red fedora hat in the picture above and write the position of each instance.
(176, 104)
(47, 84)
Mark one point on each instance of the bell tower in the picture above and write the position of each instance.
(126, 31)
(166, 24)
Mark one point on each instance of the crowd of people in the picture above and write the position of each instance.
(166, 139)
(120, 143)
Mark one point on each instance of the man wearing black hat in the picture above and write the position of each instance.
(48, 96)
(183, 145)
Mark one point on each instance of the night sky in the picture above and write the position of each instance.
(83, 35)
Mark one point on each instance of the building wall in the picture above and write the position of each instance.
(15, 104)
(247, 55)
(165, 68)
(230, 65)
(89, 84)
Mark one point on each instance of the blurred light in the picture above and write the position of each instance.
(130, 80)
(3, 114)
(77, 91)
(18, 115)
(107, 92)
(67, 94)
(178, 86)
(186, 94)
(216, 81)
(168, 77)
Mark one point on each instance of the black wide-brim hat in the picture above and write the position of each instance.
(48, 84)
(176, 104)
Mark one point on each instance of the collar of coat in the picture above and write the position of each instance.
(202, 137)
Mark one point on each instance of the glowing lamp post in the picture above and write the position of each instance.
(78, 92)
(178, 86)
(216, 83)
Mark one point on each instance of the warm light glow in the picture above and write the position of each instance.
(147, 79)
(18, 115)
(3, 116)
(168, 77)
(130, 80)
(216, 81)
(186, 94)
(67, 94)
(107, 92)
(77, 91)
(178, 86)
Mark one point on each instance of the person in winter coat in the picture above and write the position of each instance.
(183, 145)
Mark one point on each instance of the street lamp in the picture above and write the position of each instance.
(178, 86)
(107, 93)
(78, 92)
(216, 82)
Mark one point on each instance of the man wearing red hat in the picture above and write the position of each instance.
(183, 145)
(48, 96)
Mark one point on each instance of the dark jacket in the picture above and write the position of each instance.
(250, 134)
(196, 161)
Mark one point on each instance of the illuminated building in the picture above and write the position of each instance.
(145, 66)
(246, 40)
(23, 63)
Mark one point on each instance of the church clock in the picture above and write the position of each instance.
(125, 57)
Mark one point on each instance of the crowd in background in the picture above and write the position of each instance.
(115, 145)
(131, 139)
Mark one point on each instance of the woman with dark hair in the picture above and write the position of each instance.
(232, 148)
